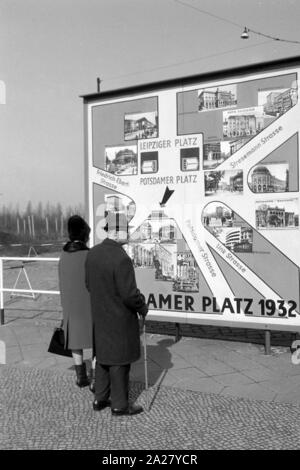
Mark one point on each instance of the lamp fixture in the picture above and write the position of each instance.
(245, 34)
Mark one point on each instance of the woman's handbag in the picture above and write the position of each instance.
(57, 343)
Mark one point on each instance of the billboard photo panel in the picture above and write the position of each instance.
(207, 174)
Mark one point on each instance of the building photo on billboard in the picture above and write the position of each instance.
(216, 152)
(121, 160)
(277, 214)
(213, 98)
(158, 248)
(222, 182)
(246, 122)
(238, 239)
(216, 214)
(277, 102)
(141, 126)
(269, 178)
(119, 204)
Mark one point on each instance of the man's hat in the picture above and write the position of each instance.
(116, 221)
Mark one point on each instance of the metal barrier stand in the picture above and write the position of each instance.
(36, 291)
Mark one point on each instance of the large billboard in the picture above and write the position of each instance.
(207, 172)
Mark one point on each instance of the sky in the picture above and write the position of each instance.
(52, 52)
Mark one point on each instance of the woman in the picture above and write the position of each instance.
(75, 298)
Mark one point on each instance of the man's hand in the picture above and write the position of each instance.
(143, 312)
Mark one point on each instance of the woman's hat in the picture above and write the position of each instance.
(78, 229)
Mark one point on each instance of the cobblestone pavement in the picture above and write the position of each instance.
(43, 409)
(213, 389)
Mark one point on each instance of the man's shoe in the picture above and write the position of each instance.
(99, 405)
(129, 411)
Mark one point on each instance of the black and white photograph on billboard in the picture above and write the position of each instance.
(238, 239)
(277, 214)
(158, 247)
(269, 178)
(216, 152)
(277, 102)
(212, 155)
(187, 272)
(141, 126)
(157, 228)
(223, 182)
(154, 246)
(157, 257)
(223, 96)
(119, 204)
(246, 122)
(216, 214)
(121, 160)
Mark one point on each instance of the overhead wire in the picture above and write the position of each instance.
(198, 59)
(114, 77)
(226, 20)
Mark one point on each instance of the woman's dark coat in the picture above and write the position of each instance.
(115, 300)
(75, 300)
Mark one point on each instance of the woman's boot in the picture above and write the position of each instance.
(82, 378)
(92, 386)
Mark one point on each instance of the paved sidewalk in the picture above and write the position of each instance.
(45, 410)
(204, 394)
(227, 368)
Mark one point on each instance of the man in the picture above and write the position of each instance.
(115, 301)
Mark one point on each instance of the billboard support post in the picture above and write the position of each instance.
(1, 294)
(177, 332)
(267, 342)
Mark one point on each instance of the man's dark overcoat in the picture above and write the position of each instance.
(115, 299)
